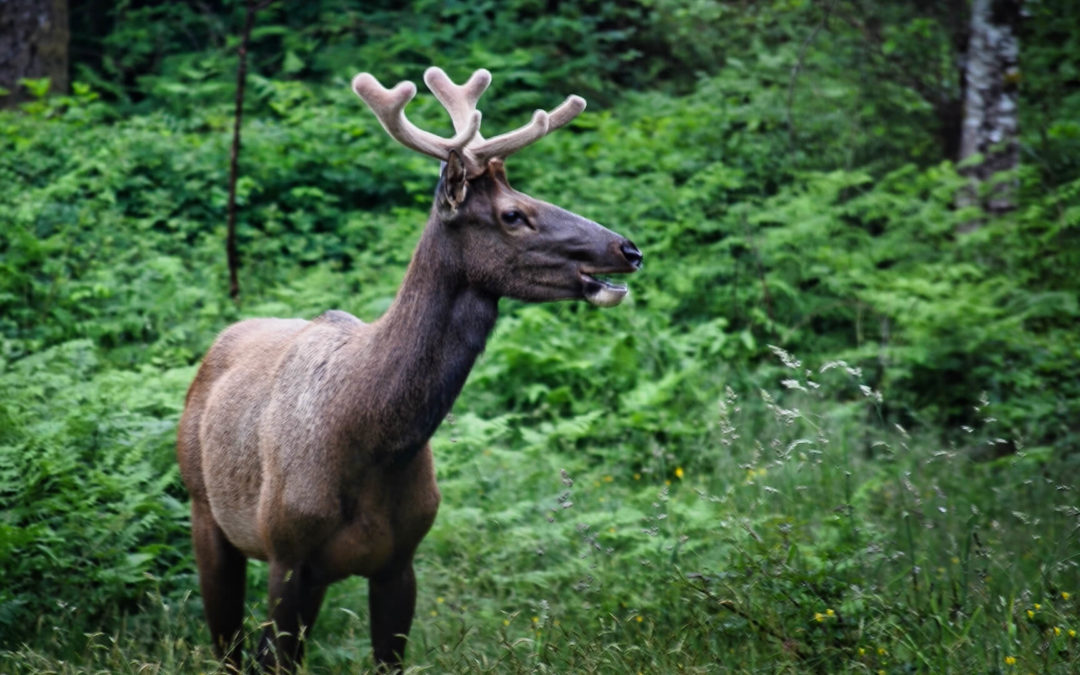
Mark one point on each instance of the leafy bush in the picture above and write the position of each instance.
(89, 490)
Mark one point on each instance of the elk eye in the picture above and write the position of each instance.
(513, 217)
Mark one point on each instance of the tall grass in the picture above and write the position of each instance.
(804, 536)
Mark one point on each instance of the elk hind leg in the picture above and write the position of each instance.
(222, 575)
(392, 601)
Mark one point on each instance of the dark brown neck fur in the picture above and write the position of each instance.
(428, 342)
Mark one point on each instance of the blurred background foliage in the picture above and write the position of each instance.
(789, 170)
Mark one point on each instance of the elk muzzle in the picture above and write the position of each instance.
(604, 293)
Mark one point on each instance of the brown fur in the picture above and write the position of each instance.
(305, 443)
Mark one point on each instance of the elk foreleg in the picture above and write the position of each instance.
(222, 571)
(296, 594)
(392, 601)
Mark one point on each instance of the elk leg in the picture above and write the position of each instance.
(222, 572)
(391, 601)
(295, 598)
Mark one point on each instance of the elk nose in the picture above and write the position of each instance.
(631, 253)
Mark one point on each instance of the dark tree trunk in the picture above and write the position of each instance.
(33, 44)
(990, 124)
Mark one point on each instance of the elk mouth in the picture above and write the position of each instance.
(601, 292)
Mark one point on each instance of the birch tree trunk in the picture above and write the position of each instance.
(34, 38)
(990, 126)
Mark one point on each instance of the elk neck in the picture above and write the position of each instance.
(428, 341)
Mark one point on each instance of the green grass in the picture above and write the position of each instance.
(804, 536)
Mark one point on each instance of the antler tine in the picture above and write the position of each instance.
(459, 100)
(504, 145)
(389, 107)
(567, 111)
(542, 124)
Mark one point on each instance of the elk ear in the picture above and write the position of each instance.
(454, 184)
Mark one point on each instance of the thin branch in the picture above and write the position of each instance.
(232, 255)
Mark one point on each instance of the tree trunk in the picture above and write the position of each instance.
(34, 38)
(988, 142)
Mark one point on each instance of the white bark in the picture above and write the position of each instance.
(990, 126)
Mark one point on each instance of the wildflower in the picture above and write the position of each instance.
(1031, 614)
(881, 651)
(955, 560)
(1010, 660)
(439, 601)
(819, 617)
(678, 472)
(536, 619)
(434, 613)
(829, 613)
(1072, 632)
(1057, 630)
(862, 651)
(1064, 595)
(638, 618)
(608, 479)
(637, 476)
(506, 622)
(1037, 606)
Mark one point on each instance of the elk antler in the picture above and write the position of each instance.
(389, 106)
(460, 102)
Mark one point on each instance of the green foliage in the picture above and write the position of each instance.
(88, 493)
(652, 488)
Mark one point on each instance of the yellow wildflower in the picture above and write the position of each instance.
(1072, 632)
(829, 613)
(1037, 606)
(1064, 595)
(1057, 630)
(638, 618)
(819, 617)
(439, 601)
(1031, 614)
(678, 472)
(1010, 660)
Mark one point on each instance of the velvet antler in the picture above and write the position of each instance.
(460, 102)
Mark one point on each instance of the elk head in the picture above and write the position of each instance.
(503, 242)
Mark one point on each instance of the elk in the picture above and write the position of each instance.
(305, 443)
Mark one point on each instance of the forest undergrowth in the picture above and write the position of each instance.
(833, 429)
